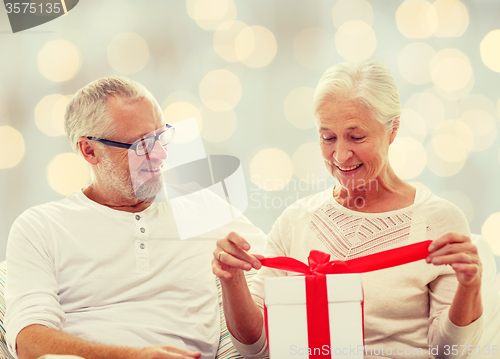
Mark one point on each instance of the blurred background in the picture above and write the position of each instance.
(246, 70)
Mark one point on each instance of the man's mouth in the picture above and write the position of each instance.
(151, 170)
(348, 169)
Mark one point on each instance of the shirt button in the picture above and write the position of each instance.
(137, 217)
(142, 246)
(143, 230)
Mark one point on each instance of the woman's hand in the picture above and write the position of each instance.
(231, 256)
(458, 251)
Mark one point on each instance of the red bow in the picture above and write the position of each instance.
(318, 327)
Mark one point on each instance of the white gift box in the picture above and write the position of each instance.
(285, 300)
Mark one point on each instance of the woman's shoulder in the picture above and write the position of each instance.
(434, 204)
(441, 213)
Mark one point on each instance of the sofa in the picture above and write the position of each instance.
(490, 294)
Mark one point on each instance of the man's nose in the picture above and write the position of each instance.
(158, 152)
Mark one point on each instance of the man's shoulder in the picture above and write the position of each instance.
(53, 208)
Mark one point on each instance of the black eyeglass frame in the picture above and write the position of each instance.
(134, 145)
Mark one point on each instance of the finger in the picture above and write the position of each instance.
(238, 240)
(454, 258)
(450, 249)
(218, 271)
(470, 270)
(226, 246)
(451, 237)
(239, 259)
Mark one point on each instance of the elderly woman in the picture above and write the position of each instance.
(357, 110)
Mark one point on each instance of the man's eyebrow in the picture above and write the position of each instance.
(148, 133)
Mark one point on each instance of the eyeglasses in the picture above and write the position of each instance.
(144, 145)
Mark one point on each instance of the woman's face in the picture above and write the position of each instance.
(353, 144)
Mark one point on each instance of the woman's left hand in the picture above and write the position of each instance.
(460, 253)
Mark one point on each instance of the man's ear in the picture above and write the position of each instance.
(87, 150)
(394, 130)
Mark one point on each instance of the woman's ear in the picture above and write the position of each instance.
(87, 150)
(394, 130)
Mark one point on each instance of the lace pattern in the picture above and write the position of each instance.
(349, 236)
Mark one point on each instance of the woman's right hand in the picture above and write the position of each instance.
(231, 257)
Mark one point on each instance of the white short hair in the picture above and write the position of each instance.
(87, 113)
(369, 84)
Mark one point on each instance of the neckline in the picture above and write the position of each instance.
(420, 195)
(90, 202)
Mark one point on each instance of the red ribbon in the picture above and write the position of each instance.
(318, 327)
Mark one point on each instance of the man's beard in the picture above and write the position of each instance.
(129, 186)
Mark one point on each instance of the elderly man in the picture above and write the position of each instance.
(102, 273)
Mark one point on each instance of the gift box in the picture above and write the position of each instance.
(320, 314)
(289, 329)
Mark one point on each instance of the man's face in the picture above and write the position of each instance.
(129, 175)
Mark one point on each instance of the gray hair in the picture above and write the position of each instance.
(87, 113)
(369, 84)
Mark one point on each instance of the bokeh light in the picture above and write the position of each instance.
(449, 148)
(412, 125)
(438, 165)
(413, 63)
(490, 50)
(271, 169)
(428, 106)
(220, 90)
(450, 70)
(49, 114)
(11, 147)
(255, 46)
(498, 107)
(225, 39)
(308, 164)
(491, 231)
(419, 185)
(350, 10)
(128, 53)
(179, 111)
(483, 127)
(453, 18)
(218, 126)
(210, 14)
(452, 141)
(299, 107)
(462, 201)
(416, 19)
(67, 173)
(314, 48)
(407, 157)
(59, 60)
(181, 96)
(355, 40)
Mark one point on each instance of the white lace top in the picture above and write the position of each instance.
(405, 307)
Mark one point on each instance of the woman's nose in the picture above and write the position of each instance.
(342, 153)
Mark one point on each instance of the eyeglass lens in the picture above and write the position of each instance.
(147, 144)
